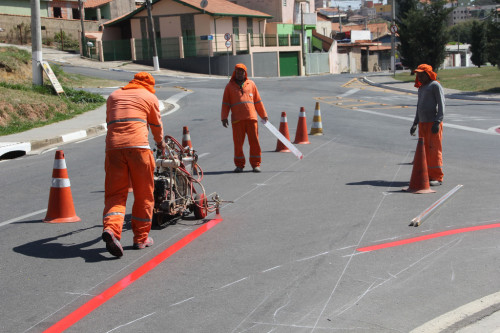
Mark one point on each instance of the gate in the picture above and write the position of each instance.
(289, 64)
(317, 63)
(117, 50)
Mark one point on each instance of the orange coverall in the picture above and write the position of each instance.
(430, 112)
(130, 111)
(244, 103)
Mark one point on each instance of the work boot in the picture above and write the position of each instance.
(238, 170)
(149, 242)
(256, 169)
(435, 183)
(112, 244)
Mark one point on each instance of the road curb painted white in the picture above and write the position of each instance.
(463, 314)
(7, 147)
(27, 147)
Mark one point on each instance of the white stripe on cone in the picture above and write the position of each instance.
(59, 164)
(60, 182)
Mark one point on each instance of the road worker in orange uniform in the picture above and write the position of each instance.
(130, 112)
(429, 118)
(242, 98)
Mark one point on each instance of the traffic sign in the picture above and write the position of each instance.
(227, 36)
(52, 77)
(203, 3)
(228, 43)
(207, 37)
(394, 29)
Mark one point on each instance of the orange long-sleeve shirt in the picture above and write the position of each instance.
(243, 102)
(129, 114)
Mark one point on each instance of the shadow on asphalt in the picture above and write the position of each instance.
(382, 183)
(48, 248)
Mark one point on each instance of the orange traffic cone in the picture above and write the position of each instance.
(61, 209)
(186, 138)
(419, 182)
(317, 127)
(301, 134)
(280, 147)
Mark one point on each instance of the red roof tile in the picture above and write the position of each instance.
(223, 8)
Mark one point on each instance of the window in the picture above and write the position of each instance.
(76, 13)
(57, 12)
(236, 27)
(250, 26)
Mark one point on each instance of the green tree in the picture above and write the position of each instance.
(493, 44)
(461, 32)
(478, 43)
(423, 34)
(405, 17)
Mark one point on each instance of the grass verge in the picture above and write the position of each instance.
(24, 106)
(485, 79)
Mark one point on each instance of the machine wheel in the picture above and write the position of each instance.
(157, 219)
(200, 206)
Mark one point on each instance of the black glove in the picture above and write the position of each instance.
(413, 129)
(225, 122)
(435, 127)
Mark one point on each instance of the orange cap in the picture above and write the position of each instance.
(424, 68)
(142, 80)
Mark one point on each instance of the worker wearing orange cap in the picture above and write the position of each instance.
(429, 118)
(242, 99)
(130, 112)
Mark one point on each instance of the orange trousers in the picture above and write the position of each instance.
(433, 149)
(119, 164)
(241, 129)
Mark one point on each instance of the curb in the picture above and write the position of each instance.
(464, 316)
(464, 96)
(18, 148)
(69, 137)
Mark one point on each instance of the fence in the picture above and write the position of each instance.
(195, 46)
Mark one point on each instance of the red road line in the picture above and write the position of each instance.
(106, 295)
(425, 237)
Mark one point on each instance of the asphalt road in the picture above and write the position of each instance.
(285, 257)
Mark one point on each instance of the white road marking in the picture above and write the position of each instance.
(349, 92)
(463, 128)
(187, 299)
(131, 322)
(317, 255)
(271, 269)
(22, 217)
(230, 284)
(173, 100)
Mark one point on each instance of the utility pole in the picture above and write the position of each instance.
(36, 43)
(82, 17)
(340, 19)
(152, 36)
(393, 39)
(304, 37)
